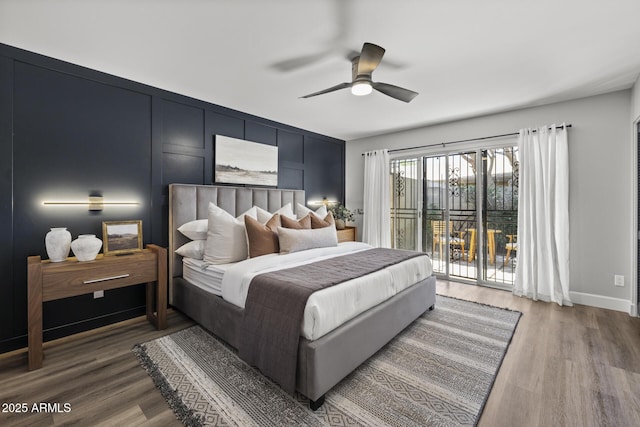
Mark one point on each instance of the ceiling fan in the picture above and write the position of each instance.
(362, 67)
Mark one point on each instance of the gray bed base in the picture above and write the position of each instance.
(324, 362)
(321, 363)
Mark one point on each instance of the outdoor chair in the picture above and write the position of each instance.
(511, 245)
(456, 238)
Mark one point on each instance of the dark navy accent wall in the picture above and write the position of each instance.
(6, 199)
(68, 131)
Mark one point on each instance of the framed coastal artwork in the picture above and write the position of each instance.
(244, 162)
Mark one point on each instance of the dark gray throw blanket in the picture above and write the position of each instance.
(275, 305)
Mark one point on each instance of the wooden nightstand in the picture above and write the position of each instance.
(48, 281)
(348, 234)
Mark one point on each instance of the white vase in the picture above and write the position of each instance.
(86, 247)
(340, 224)
(58, 241)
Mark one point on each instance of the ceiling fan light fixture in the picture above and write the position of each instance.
(361, 83)
(361, 88)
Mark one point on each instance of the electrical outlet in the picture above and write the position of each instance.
(618, 280)
(98, 294)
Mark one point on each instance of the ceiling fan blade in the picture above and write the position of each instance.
(396, 92)
(293, 64)
(370, 57)
(331, 89)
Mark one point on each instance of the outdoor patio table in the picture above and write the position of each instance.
(491, 244)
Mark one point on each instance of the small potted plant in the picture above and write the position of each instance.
(341, 214)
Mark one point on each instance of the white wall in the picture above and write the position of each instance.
(601, 177)
(635, 121)
(635, 101)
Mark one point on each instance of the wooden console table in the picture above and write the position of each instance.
(348, 234)
(48, 281)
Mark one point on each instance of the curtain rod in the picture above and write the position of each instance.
(465, 140)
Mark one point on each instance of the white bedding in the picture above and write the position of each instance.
(204, 275)
(333, 306)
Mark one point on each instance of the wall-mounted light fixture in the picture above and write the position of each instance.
(94, 203)
(324, 201)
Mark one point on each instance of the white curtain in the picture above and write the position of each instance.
(377, 211)
(542, 269)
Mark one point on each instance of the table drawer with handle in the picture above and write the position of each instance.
(73, 278)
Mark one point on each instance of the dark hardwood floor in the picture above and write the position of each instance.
(566, 366)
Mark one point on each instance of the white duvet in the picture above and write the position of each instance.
(331, 307)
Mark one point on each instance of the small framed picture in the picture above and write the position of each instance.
(121, 237)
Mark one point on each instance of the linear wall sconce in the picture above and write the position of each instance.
(324, 202)
(94, 203)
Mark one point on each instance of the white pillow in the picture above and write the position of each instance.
(264, 216)
(303, 211)
(193, 249)
(293, 240)
(195, 230)
(226, 238)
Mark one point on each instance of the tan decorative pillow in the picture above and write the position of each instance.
(263, 239)
(303, 223)
(328, 221)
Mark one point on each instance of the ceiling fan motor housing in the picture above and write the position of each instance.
(355, 77)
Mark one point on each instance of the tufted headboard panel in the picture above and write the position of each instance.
(190, 202)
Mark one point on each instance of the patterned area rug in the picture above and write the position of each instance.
(437, 372)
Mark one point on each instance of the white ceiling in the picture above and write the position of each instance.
(465, 57)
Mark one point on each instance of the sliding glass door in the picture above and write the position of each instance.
(500, 213)
(449, 213)
(406, 185)
(437, 200)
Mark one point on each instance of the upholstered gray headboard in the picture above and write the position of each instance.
(190, 202)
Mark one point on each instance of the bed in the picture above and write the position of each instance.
(323, 359)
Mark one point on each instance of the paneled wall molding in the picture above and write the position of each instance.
(7, 294)
(64, 127)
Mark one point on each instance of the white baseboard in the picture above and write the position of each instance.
(600, 301)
